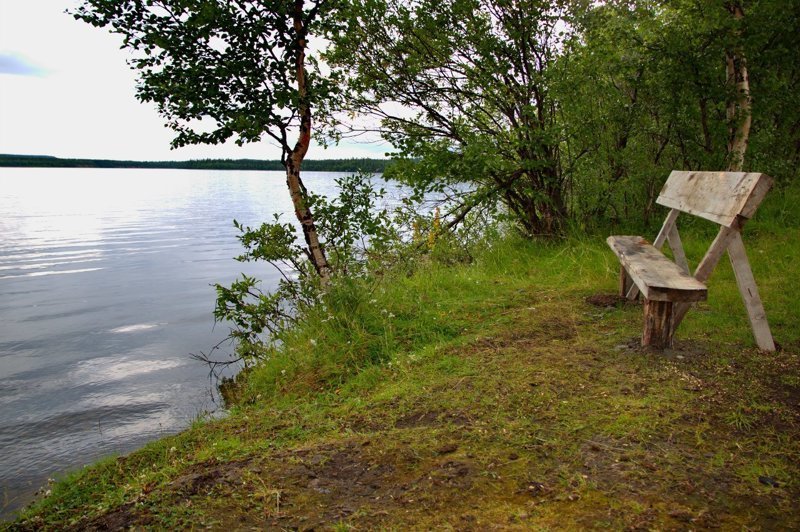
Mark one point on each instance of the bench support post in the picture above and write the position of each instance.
(625, 281)
(707, 265)
(658, 327)
(730, 239)
(676, 245)
(749, 291)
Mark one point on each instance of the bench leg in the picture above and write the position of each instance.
(657, 324)
(625, 282)
(749, 291)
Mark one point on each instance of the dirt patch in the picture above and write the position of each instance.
(529, 333)
(415, 419)
(122, 518)
(632, 471)
(430, 419)
(614, 465)
(784, 383)
(450, 474)
(203, 478)
(607, 300)
(365, 483)
(329, 483)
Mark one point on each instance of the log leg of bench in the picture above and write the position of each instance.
(625, 282)
(657, 324)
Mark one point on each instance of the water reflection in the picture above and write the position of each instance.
(106, 369)
(105, 288)
(135, 328)
(53, 272)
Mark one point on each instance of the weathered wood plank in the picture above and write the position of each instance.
(749, 291)
(666, 227)
(625, 282)
(658, 329)
(657, 277)
(716, 196)
(677, 249)
(707, 265)
(757, 196)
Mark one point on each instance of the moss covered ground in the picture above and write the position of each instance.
(507, 393)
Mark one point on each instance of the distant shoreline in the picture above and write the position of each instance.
(322, 165)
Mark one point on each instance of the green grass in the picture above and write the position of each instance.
(491, 394)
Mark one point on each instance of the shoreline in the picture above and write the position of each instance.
(496, 392)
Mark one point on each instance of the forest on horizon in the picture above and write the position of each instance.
(321, 165)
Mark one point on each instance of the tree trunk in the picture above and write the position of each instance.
(293, 160)
(739, 108)
(314, 250)
(708, 143)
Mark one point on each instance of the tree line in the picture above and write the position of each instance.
(575, 111)
(320, 165)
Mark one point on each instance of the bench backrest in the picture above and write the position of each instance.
(717, 196)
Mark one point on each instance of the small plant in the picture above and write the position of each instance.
(741, 418)
(356, 235)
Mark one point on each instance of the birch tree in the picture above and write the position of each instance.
(229, 69)
(739, 111)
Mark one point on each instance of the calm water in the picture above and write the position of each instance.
(104, 291)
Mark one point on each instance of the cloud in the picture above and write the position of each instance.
(11, 63)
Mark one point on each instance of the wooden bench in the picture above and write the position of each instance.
(726, 198)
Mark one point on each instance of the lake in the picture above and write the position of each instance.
(105, 290)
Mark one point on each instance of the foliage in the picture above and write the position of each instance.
(357, 229)
(253, 312)
(461, 88)
(550, 114)
(643, 90)
(358, 235)
(366, 238)
(569, 112)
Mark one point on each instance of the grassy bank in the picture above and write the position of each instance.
(492, 394)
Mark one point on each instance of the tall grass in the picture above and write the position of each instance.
(372, 322)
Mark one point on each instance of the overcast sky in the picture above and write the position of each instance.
(66, 90)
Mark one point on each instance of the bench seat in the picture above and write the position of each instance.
(657, 277)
